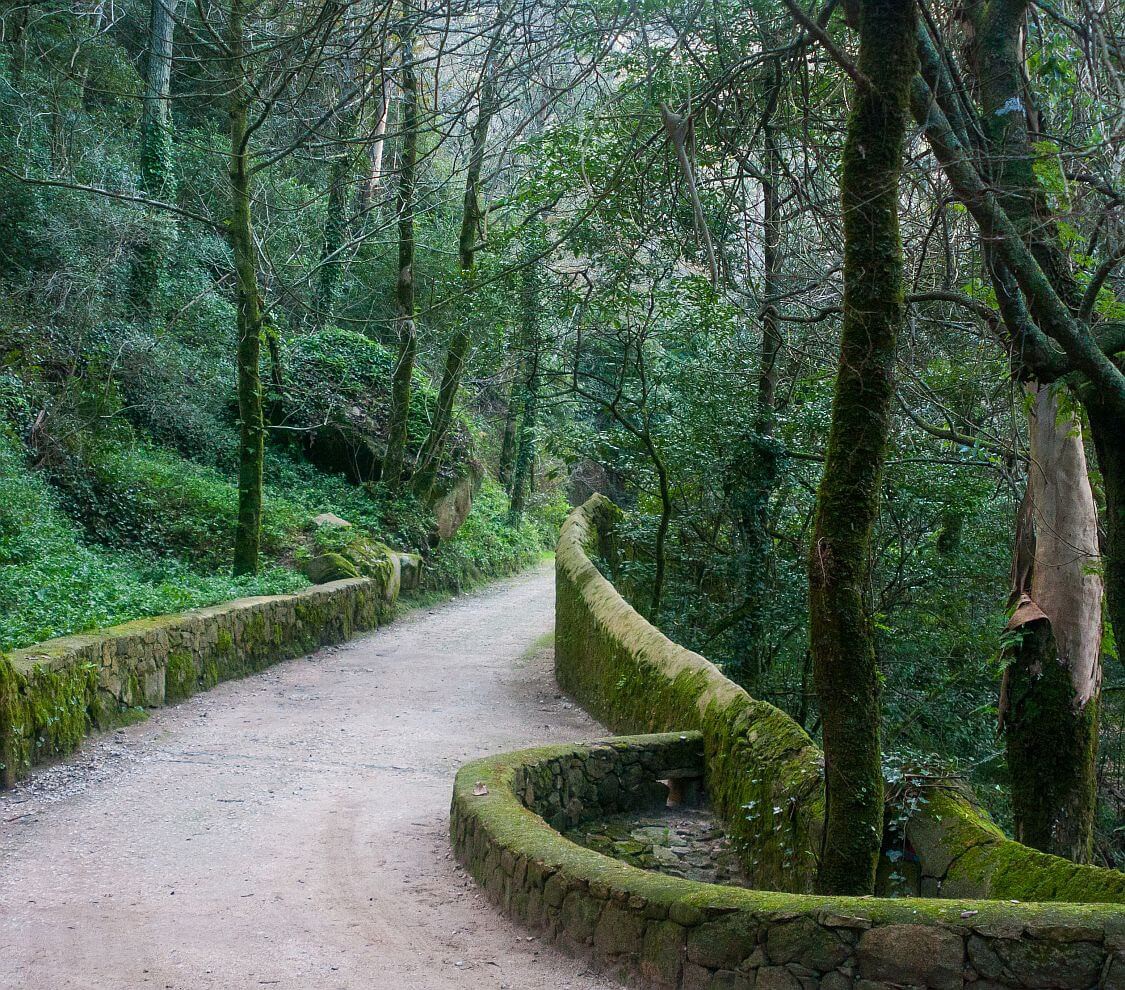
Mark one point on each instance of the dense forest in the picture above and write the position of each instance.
(830, 301)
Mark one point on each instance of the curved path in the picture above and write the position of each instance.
(289, 830)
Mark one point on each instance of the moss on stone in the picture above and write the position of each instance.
(643, 925)
(44, 712)
(53, 693)
(634, 679)
(180, 677)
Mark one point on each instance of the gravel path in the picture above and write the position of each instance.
(289, 830)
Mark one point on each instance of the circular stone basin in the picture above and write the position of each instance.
(686, 842)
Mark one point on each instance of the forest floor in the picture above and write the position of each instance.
(290, 830)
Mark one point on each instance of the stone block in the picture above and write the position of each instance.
(724, 943)
(727, 979)
(662, 952)
(1114, 978)
(916, 955)
(776, 978)
(1044, 965)
(579, 916)
(803, 941)
(619, 932)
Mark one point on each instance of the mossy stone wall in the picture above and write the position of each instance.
(52, 694)
(764, 774)
(653, 930)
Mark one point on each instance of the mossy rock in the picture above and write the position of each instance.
(410, 571)
(330, 567)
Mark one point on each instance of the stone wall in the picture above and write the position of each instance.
(653, 930)
(52, 694)
(764, 774)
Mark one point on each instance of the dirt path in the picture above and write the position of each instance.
(289, 830)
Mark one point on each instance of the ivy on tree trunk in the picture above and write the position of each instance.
(841, 634)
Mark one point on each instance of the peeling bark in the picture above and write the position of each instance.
(1049, 695)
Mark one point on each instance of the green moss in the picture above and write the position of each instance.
(758, 759)
(180, 677)
(1052, 751)
(491, 829)
(330, 567)
(44, 713)
(633, 679)
(50, 699)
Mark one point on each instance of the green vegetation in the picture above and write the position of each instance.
(54, 581)
(840, 332)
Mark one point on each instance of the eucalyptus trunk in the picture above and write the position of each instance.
(841, 633)
(1049, 695)
(1050, 337)
(757, 472)
(402, 380)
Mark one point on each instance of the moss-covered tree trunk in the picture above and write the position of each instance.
(335, 227)
(434, 449)
(1107, 430)
(841, 635)
(402, 379)
(251, 451)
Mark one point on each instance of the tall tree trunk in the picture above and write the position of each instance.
(1048, 698)
(525, 452)
(375, 152)
(430, 459)
(508, 439)
(404, 289)
(757, 473)
(1049, 695)
(335, 226)
(158, 173)
(771, 266)
(251, 451)
(841, 635)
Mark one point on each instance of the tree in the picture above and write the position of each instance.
(430, 458)
(842, 642)
(251, 424)
(158, 170)
(1049, 696)
(531, 342)
(405, 327)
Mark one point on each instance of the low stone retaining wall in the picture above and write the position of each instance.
(659, 931)
(52, 694)
(764, 774)
(763, 771)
